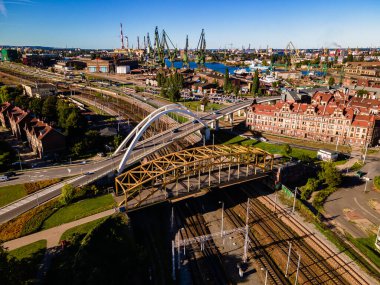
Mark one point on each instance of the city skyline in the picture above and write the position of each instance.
(95, 24)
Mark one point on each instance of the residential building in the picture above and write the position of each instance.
(330, 117)
(40, 90)
(43, 139)
(4, 109)
(18, 119)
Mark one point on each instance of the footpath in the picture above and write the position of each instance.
(53, 235)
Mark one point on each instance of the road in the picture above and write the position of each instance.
(349, 207)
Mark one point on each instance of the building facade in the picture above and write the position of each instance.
(330, 118)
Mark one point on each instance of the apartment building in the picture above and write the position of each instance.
(330, 117)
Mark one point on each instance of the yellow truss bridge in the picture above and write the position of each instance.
(188, 171)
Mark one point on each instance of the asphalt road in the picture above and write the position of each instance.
(352, 197)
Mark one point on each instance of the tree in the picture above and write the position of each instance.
(117, 140)
(7, 156)
(331, 81)
(361, 93)
(236, 90)
(287, 149)
(205, 100)
(350, 58)
(311, 186)
(35, 105)
(227, 83)
(67, 194)
(49, 109)
(78, 148)
(256, 83)
(330, 175)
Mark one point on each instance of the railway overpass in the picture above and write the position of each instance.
(137, 151)
(188, 172)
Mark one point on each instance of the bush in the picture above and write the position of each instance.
(308, 189)
(67, 195)
(32, 187)
(376, 182)
(321, 197)
(28, 222)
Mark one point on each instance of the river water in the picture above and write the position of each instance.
(216, 66)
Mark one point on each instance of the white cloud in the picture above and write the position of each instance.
(3, 10)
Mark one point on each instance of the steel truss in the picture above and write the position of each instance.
(143, 181)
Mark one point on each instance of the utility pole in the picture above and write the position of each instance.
(221, 228)
(287, 263)
(294, 201)
(298, 269)
(365, 153)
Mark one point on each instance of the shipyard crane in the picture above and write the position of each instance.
(171, 50)
(200, 52)
(185, 58)
(293, 52)
(159, 54)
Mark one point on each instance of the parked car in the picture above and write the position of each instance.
(262, 139)
(175, 131)
(360, 173)
(10, 174)
(3, 178)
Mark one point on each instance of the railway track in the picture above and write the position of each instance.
(342, 270)
(314, 269)
(261, 256)
(206, 265)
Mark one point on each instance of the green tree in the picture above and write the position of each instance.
(350, 58)
(236, 90)
(67, 195)
(361, 93)
(205, 100)
(117, 140)
(49, 108)
(256, 83)
(331, 81)
(35, 105)
(330, 175)
(311, 186)
(287, 149)
(78, 149)
(7, 156)
(227, 82)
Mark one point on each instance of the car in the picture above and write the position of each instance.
(195, 122)
(3, 178)
(88, 173)
(84, 162)
(101, 154)
(360, 173)
(175, 131)
(216, 113)
(10, 174)
(262, 139)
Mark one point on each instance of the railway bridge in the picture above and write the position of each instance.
(188, 172)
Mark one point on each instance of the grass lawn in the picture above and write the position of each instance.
(192, 105)
(271, 148)
(29, 250)
(82, 229)
(357, 165)
(376, 182)
(367, 247)
(78, 210)
(11, 193)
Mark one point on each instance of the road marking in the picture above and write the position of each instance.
(369, 213)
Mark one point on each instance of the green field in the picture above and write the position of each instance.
(29, 250)
(192, 105)
(78, 210)
(11, 193)
(367, 247)
(271, 148)
(82, 229)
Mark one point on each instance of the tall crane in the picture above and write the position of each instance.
(169, 50)
(200, 51)
(185, 58)
(293, 52)
(158, 54)
(121, 36)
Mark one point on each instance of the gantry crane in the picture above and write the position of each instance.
(169, 50)
(200, 52)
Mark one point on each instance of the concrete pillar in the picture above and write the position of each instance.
(226, 118)
(207, 134)
(231, 118)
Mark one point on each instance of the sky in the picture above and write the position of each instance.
(96, 24)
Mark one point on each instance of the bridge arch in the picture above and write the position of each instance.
(139, 130)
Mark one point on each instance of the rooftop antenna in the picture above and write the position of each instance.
(121, 36)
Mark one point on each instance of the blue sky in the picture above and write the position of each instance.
(95, 24)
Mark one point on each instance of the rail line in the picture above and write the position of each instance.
(275, 275)
(346, 271)
(209, 267)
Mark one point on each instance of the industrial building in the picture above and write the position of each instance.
(9, 55)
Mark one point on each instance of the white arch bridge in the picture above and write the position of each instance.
(183, 130)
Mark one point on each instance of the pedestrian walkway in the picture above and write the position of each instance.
(54, 234)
